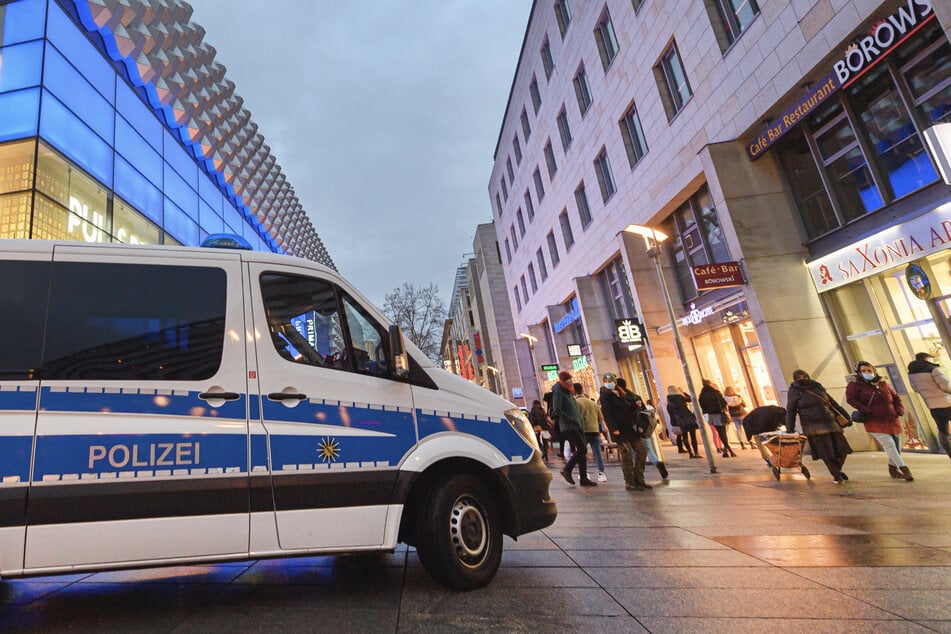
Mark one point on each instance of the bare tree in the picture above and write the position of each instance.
(420, 313)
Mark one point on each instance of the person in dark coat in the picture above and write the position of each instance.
(714, 406)
(565, 410)
(870, 394)
(927, 379)
(619, 411)
(540, 421)
(816, 408)
(761, 420)
(678, 409)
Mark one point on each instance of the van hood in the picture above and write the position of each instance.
(494, 404)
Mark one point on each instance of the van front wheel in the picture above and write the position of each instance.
(460, 534)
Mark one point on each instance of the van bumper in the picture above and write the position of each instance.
(532, 505)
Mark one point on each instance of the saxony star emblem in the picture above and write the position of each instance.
(328, 450)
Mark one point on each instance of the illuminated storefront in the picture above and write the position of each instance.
(131, 134)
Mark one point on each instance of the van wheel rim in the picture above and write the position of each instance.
(468, 531)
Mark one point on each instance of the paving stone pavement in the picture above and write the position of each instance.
(732, 552)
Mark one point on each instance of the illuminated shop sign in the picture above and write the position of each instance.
(551, 371)
(722, 275)
(574, 349)
(863, 53)
(87, 223)
(630, 333)
(579, 364)
(571, 317)
(696, 315)
(895, 246)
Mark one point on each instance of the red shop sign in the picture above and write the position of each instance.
(722, 275)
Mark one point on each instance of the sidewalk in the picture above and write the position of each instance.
(732, 552)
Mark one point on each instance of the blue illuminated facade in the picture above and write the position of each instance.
(97, 145)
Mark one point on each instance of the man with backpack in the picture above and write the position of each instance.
(620, 409)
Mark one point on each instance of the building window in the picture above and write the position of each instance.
(521, 222)
(540, 258)
(505, 190)
(547, 61)
(524, 286)
(514, 237)
(617, 291)
(550, 160)
(633, 135)
(536, 96)
(566, 232)
(552, 249)
(675, 91)
(698, 239)
(606, 39)
(508, 251)
(531, 278)
(584, 210)
(526, 127)
(602, 167)
(518, 300)
(529, 207)
(498, 205)
(925, 63)
(518, 150)
(582, 90)
(508, 168)
(735, 17)
(637, 5)
(563, 129)
(539, 187)
(563, 15)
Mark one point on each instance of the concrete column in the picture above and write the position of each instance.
(598, 324)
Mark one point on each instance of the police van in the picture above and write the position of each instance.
(171, 405)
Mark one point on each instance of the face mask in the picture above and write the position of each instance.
(802, 381)
(610, 386)
(868, 376)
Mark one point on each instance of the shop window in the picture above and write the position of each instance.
(16, 166)
(15, 215)
(891, 133)
(131, 227)
(698, 239)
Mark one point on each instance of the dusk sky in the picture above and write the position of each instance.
(383, 115)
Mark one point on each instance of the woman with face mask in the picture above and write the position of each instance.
(816, 410)
(879, 402)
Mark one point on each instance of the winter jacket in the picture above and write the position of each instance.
(711, 401)
(618, 416)
(735, 405)
(928, 380)
(590, 414)
(539, 419)
(815, 408)
(679, 412)
(564, 407)
(879, 402)
(765, 418)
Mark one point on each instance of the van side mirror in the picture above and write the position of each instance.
(399, 358)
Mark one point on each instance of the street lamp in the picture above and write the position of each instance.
(653, 240)
(531, 355)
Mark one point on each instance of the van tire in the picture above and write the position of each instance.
(460, 533)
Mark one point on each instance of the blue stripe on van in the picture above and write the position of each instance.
(95, 456)
(23, 399)
(129, 402)
(15, 458)
(498, 433)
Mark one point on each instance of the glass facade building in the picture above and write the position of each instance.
(118, 126)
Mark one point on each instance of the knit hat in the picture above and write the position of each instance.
(800, 374)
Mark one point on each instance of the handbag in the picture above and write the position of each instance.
(858, 416)
(840, 419)
(843, 421)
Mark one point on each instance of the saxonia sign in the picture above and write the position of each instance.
(864, 52)
(895, 246)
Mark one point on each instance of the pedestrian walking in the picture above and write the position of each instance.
(882, 409)
(619, 413)
(565, 410)
(678, 409)
(652, 457)
(540, 425)
(593, 421)
(736, 408)
(816, 410)
(714, 406)
(927, 378)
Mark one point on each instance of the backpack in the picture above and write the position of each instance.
(645, 422)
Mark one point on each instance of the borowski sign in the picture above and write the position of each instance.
(863, 53)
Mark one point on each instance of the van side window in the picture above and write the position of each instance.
(303, 320)
(368, 339)
(135, 322)
(24, 287)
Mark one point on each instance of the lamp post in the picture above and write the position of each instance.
(653, 240)
(531, 355)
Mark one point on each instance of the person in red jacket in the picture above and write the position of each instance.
(878, 401)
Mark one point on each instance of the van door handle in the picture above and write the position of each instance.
(219, 396)
(283, 396)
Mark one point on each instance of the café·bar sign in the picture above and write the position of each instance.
(721, 275)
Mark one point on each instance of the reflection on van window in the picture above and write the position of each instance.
(25, 286)
(369, 349)
(304, 322)
(134, 322)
